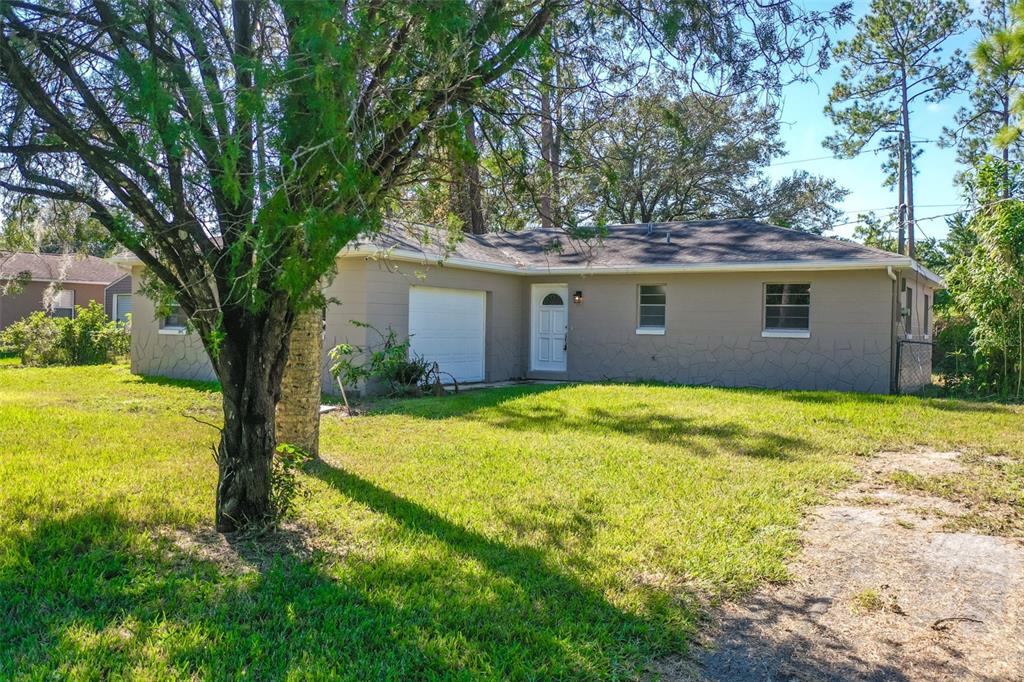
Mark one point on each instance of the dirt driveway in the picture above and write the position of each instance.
(882, 590)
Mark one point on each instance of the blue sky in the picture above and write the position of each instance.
(805, 126)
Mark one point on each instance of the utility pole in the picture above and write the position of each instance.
(901, 206)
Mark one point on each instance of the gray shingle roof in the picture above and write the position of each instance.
(703, 242)
(58, 267)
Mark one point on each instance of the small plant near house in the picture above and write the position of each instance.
(389, 362)
(88, 338)
(284, 484)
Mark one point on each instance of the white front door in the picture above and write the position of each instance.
(447, 326)
(549, 325)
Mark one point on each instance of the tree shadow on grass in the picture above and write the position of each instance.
(193, 384)
(541, 605)
(99, 594)
(696, 436)
(896, 401)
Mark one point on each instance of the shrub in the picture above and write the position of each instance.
(389, 361)
(953, 357)
(88, 338)
(284, 484)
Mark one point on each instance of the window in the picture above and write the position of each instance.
(64, 303)
(552, 299)
(651, 309)
(927, 317)
(787, 310)
(908, 312)
(122, 307)
(175, 321)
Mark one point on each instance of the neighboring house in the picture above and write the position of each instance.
(719, 302)
(53, 282)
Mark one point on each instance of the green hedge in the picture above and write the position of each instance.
(88, 338)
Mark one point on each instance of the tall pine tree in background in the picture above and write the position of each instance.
(984, 126)
(895, 59)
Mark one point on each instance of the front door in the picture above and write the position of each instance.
(550, 322)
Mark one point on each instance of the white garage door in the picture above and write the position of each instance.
(447, 326)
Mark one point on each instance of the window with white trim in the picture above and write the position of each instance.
(927, 331)
(787, 309)
(122, 307)
(908, 312)
(64, 303)
(175, 321)
(650, 308)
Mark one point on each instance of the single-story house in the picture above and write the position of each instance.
(56, 283)
(719, 302)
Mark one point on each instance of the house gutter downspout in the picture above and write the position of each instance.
(893, 347)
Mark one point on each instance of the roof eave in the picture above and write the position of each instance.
(406, 255)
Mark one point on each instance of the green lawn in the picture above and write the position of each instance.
(533, 532)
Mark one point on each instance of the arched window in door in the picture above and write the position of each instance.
(552, 299)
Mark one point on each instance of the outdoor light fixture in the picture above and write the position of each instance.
(577, 297)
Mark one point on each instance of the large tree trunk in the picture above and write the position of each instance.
(548, 219)
(474, 203)
(298, 410)
(250, 363)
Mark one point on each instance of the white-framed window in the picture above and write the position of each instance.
(122, 307)
(908, 312)
(650, 317)
(175, 322)
(787, 310)
(64, 303)
(927, 331)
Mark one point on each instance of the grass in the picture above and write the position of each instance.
(868, 601)
(528, 532)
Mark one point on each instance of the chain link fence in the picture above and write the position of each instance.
(913, 365)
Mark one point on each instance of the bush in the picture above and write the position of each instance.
(953, 357)
(88, 338)
(390, 362)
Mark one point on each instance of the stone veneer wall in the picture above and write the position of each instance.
(178, 356)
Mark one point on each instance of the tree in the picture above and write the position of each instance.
(987, 279)
(872, 231)
(985, 126)
(238, 148)
(49, 226)
(657, 156)
(894, 59)
(801, 201)
(235, 147)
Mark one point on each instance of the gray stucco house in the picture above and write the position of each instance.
(719, 302)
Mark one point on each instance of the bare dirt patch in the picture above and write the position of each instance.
(239, 555)
(881, 591)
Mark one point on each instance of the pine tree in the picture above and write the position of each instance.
(894, 60)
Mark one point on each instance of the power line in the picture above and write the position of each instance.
(937, 215)
(843, 158)
(884, 208)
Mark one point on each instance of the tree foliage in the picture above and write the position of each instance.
(659, 156)
(987, 277)
(881, 234)
(236, 146)
(985, 125)
(894, 60)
